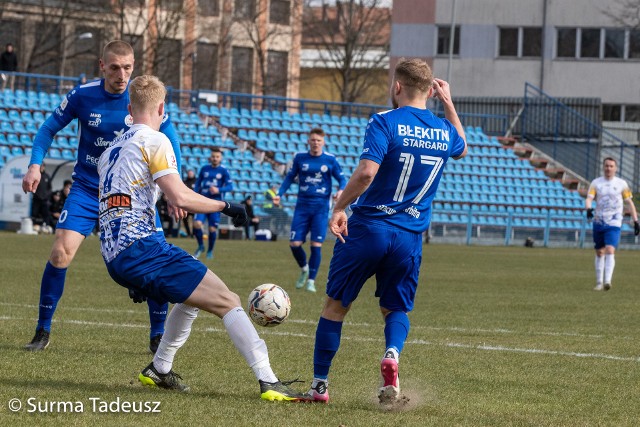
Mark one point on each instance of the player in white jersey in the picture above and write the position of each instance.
(611, 194)
(132, 172)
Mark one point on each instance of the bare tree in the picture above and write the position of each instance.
(625, 13)
(351, 38)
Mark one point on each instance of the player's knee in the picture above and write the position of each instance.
(60, 257)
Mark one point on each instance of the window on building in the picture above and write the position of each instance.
(611, 112)
(206, 66)
(566, 43)
(277, 66)
(172, 5)
(244, 9)
(634, 44)
(209, 7)
(444, 40)
(614, 43)
(520, 42)
(242, 66)
(280, 12)
(167, 62)
(632, 113)
(508, 42)
(590, 43)
(532, 42)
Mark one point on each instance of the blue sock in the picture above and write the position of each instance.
(212, 239)
(300, 255)
(197, 233)
(314, 261)
(327, 343)
(51, 289)
(157, 316)
(396, 330)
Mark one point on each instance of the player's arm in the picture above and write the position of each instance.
(227, 184)
(588, 201)
(337, 173)
(632, 210)
(183, 197)
(442, 91)
(358, 184)
(170, 131)
(289, 177)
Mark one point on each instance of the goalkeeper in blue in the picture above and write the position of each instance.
(313, 170)
(390, 194)
(101, 110)
(133, 171)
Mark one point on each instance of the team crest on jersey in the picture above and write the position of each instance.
(128, 120)
(165, 118)
(218, 176)
(324, 168)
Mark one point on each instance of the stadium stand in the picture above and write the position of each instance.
(492, 187)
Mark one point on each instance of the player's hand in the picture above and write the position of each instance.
(442, 91)
(136, 296)
(338, 224)
(590, 213)
(31, 179)
(176, 212)
(237, 213)
(636, 228)
(214, 190)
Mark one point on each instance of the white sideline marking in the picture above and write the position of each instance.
(361, 324)
(366, 339)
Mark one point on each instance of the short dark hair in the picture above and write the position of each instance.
(117, 47)
(216, 150)
(317, 131)
(611, 159)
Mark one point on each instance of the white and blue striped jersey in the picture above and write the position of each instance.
(411, 145)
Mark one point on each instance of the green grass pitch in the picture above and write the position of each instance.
(501, 336)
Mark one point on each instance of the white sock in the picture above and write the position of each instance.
(599, 269)
(249, 344)
(395, 353)
(306, 267)
(609, 265)
(177, 330)
(317, 380)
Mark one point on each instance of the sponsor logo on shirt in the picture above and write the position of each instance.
(63, 104)
(411, 210)
(92, 160)
(386, 209)
(115, 202)
(305, 166)
(101, 142)
(96, 120)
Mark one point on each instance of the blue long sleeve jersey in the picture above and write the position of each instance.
(102, 116)
(314, 178)
(217, 177)
(412, 146)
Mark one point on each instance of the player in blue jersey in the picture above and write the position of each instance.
(390, 194)
(314, 170)
(101, 109)
(213, 181)
(132, 172)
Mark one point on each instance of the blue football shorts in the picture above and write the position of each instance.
(157, 269)
(80, 211)
(393, 255)
(213, 219)
(309, 219)
(605, 235)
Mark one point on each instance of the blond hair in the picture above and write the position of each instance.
(146, 93)
(117, 47)
(415, 74)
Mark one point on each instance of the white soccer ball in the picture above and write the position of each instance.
(269, 305)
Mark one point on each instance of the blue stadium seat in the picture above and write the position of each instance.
(67, 154)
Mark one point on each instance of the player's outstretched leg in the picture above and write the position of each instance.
(157, 316)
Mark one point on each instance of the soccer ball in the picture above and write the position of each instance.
(269, 305)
